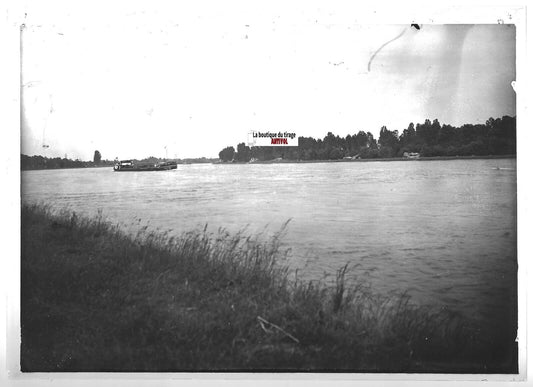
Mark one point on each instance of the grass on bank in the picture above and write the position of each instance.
(96, 299)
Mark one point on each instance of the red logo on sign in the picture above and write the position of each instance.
(278, 141)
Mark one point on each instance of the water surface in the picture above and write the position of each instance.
(445, 231)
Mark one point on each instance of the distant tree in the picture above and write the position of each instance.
(361, 140)
(335, 154)
(388, 142)
(227, 154)
(372, 143)
(97, 157)
(262, 152)
(423, 132)
(446, 135)
(408, 138)
(433, 132)
(243, 152)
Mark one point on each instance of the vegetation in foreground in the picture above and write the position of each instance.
(95, 299)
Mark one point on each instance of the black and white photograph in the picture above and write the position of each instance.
(266, 189)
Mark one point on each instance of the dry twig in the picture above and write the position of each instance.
(262, 322)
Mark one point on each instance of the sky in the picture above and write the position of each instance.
(187, 82)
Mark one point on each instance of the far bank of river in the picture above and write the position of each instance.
(286, 161)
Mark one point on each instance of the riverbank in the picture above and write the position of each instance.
(95, 299)
(37, 162)
(286, 161)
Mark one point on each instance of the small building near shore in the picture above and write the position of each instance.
(411, 155)
(356, 157)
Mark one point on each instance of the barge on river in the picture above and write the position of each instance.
(130, 166)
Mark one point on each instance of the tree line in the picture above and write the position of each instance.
(495, 137)
(41, 162)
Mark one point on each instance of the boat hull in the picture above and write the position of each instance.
(155, 168)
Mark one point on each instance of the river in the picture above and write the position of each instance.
(442, 230)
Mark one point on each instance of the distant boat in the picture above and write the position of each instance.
(130, 166)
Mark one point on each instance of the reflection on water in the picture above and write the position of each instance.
(443, 230)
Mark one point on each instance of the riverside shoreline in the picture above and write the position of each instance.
(96, 299)
(302, 161)
(435, 158)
